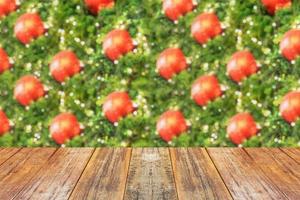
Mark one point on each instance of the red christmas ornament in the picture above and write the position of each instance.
(205, 89)
(241, 65)
(64, 65)
(4, 61)
(63, 127)
(290, 44)
(290, 106)
(7, 6)
(117, 43)
(4, 123)
(28, 89)
(171, 124)
(205, 27)
(29, 26)
(273, 5)
(241, 127)
(176, 8)
(117, 105)
(96, 6)
(170, 62)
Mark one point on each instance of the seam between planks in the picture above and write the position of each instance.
(245, 150)
(128, 167)
(289, 156)
(265, 174)
(94, 150)
(219, 173)
(17, 193)
(172, 165)
(52, 154)
(11, 156)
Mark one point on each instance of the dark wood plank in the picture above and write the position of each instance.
(293, 153)
(105, 175)
(59, 175)
(196, 176)
(282, 170)
(150, 175)
(6, 153)
(17, 171)
(242, 176)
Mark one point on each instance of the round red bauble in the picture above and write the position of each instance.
(273, 5)
(95, 6)
(241, 127)
(205, 27)
(7, 6)
(290, 44)
(117, 105)
(29, 26)
(64, 65)
(290, 106)
(4, 123)
(171, 124)
(117, 43)
(63, 127)
(205, 89)
(176, 8)
(241, 65)
(4, 61)
(170, 62)
(28, 89)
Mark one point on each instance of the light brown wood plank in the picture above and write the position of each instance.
(282, 170)
(293, 153)
(150, 175)
(196, 176)
(17, 171)
(16, 160)
(105, 175)
(58, 176)
(6, 153)
(242, 176)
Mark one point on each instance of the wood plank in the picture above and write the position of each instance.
(242, 176)
(196, 176)
(58, 176)
(150, 175)
(105, 175)
(13, 162)
(282, 170)
(19, 169)
(6, 153)
(293, 153)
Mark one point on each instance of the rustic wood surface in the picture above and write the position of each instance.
(149, 173)
(105, 175)
(201, 180)
(274, 164)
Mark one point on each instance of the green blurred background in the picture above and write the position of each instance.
(248, 26)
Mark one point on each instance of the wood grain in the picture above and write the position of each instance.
(6, 153)
(105, 175)
(150, 175)
(58, 176)
(244, 179)
(282, 170)
(14, 161)
(196, 176)
(19, 169)
(293, 153)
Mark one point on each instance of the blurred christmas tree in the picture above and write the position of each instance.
(247, 25)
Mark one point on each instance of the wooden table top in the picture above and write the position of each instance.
(149, 173)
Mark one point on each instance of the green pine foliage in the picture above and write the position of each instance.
(71, 26)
